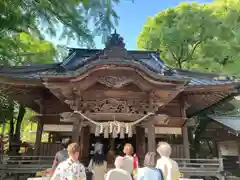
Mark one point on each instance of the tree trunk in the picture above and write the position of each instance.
(17, 135)
(3, 126)
(11, 125)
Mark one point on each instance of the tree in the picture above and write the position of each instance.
(29, 50)
(193, 36)
(72, 17)
(203, 37)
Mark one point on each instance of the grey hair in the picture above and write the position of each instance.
(164, 149)
(149, 160)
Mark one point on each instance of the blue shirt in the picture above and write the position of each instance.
(147, 173)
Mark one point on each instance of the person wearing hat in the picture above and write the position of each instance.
(61, 155)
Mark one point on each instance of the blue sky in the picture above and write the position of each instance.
(133, 16)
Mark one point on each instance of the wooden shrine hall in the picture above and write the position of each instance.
(116, 94)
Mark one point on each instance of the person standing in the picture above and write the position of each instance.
(168, 166)
(61, 155)
(128, 158)
(130, 162)
(70, 169)
(98, 165)
(149, 171)
(118, 173)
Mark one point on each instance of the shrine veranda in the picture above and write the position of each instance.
(115, 96)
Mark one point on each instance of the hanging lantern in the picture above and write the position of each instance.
(122, 133)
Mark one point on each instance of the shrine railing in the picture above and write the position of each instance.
(206, 164)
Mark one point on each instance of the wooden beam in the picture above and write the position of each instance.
(211, 88)
(22, 83)
(93, 94)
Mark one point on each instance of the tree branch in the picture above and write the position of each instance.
(181, 52)
(178, 60)
(193, 49)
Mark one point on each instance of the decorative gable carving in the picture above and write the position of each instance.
(114, 81)
(112, 105)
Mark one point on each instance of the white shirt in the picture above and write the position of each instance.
(128, 164)
(169, 168)
(118, 174)
(70, 170)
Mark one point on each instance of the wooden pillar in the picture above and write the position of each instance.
(38, 138)
(140, 143)
(85, 139)
(39, 132)
(186, 145)
(77, 123)
(151, 129)
(151, 136)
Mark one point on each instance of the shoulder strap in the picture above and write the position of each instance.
(161, 173)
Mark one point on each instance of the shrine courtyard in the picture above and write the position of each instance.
(114, 96)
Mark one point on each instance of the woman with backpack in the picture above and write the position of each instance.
(149, 172)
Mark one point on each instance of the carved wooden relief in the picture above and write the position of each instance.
(71, 103)
(111, 105)
(114, 81)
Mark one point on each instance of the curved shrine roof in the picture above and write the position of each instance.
(79, 59)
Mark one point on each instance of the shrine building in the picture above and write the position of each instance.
(115, 96)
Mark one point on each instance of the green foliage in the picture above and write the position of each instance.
(44, 16)
(202, 37)
(193, 36)
(29, 128)
(29, 50)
